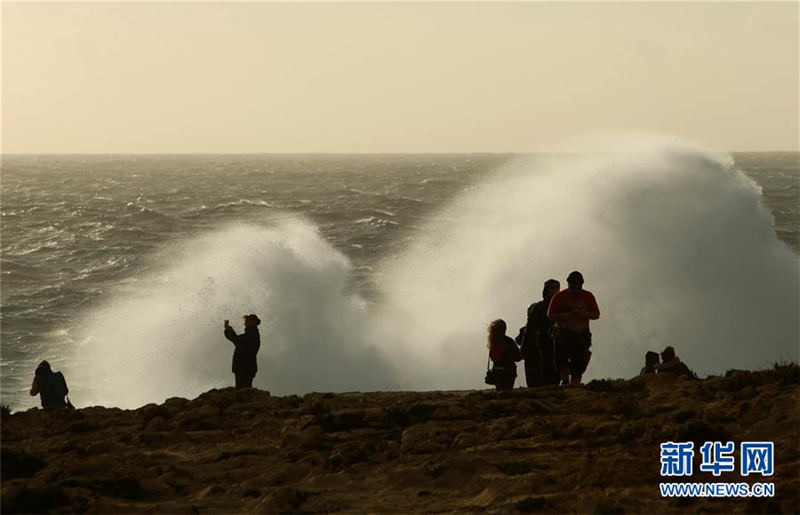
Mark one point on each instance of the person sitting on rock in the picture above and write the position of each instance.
(650, 362)
(50, 386)
(244, 365)
(504, 353)
(672, 364)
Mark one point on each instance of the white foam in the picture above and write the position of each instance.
(162, 336)
(674, 242)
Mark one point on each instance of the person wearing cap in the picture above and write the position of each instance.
(50, 386)
(571, 311)
(537, 342)
(244, 365)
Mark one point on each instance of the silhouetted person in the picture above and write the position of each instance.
(672, 364)
(504, 353)
(50, 386)
(537, 344)
(650, 362)
(244, 356)
(571, 310)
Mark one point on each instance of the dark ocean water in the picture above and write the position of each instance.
(74, 228)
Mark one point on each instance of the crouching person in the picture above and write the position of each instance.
(651, 361)
(672, 364)
(50, 386)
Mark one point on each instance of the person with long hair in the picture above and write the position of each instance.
(504, 353)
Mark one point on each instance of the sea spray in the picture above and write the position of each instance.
(673, 240)
(161, 336)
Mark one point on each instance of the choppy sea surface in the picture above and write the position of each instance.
(74, 228)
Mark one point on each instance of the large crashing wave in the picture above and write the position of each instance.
(161, 336)
(673, 240)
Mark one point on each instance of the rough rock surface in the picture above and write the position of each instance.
(593, 448)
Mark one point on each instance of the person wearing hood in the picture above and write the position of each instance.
(244, 366)
(537, 341)
(50, 386)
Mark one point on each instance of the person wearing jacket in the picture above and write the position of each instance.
(244, 366)
(504, 353)
(50, 386)
(537, 342)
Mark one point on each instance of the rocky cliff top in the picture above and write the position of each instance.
(592, 448)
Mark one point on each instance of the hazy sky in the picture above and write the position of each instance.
(394, 77)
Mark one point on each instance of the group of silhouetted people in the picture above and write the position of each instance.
(554, 342)
(669, 363)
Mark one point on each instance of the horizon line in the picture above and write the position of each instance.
(2, 154)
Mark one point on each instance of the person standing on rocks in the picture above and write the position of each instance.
(50, 386)
(571, 311)
(504, 353)
(537, 343)
(244, 356)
